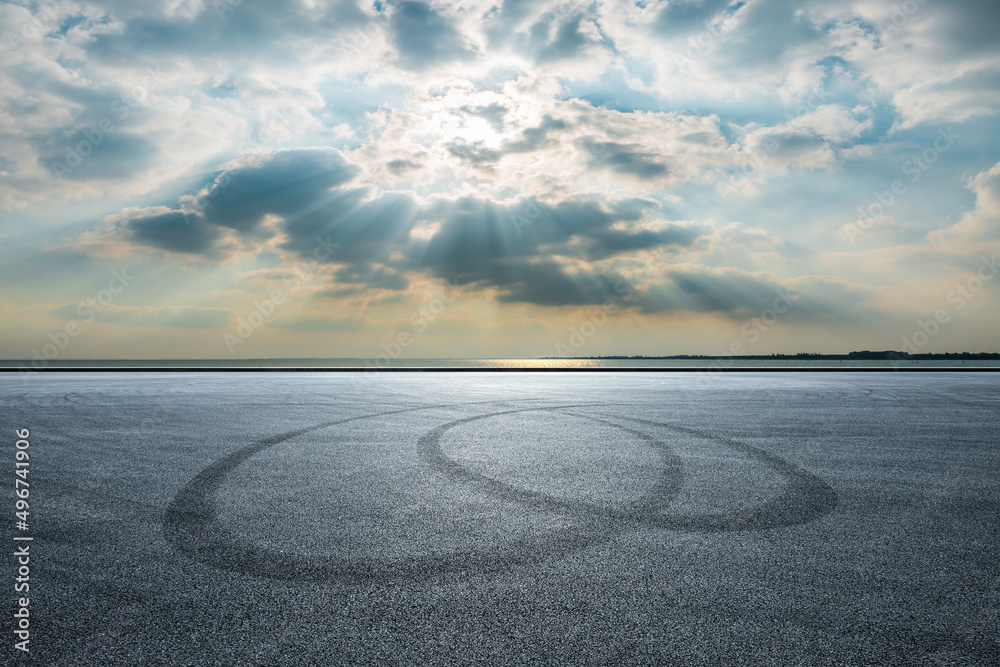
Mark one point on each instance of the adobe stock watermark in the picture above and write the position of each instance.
(698, 44)
(914, 168)
(87, 311)
(751, 331)
(267, 134)
(597, 316)
(32, 28)
(224, 7)
(525, 215)
(363, 38)
(263, 309)
(959, 296)
(900, 14)
(248, 324)
(528, 212)
(93, 137)
(420, 320)
(755, 326)
(22, 541)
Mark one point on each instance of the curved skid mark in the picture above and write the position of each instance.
(190, 524)
(225, 551)
(430, 450)
(671, 482)
(806, 497)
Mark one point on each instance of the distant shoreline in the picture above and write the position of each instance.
(852, 356)
(864, 360)
(798, 357)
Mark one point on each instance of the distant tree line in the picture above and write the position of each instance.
(866, 355)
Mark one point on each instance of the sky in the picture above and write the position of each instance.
(510, 178)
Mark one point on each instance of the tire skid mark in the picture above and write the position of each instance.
(429, 447)
(805, 498)
(190, 523)
(190, 526)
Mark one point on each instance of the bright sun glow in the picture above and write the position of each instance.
(469, 129)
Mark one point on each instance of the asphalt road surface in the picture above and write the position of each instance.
(508, 518)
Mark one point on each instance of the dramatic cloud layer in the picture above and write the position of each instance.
(320, 178)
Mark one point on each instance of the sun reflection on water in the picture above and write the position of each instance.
(543, 363)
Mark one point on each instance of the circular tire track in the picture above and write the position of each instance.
(805, 498)
(191, 523)
(668, 486)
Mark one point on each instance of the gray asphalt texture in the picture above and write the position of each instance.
(510, 518)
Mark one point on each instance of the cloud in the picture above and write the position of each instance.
(738, 234)
(833, 123)
(809, 141)
(529, 140)
(400, 167)
(978, 230)
(525, 139)
(741, 295)
(686, 16)
(614, 242)
(173, 232)
(424, 38)
(629, 160)
(560, 40)
(939, 61)
(371, 276)
(370, 239)
(350, 226)
(486, 246)
(559, 37)
(89, 154)
(283, 183)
